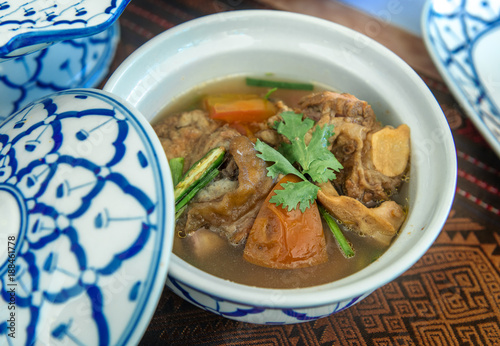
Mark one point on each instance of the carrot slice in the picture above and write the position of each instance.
(239, 107)
(285, 239)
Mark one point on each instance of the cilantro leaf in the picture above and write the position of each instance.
(301, 194)
(315, 160)
(281, 164)
(324, 164)
(293, 127)
(320, 171)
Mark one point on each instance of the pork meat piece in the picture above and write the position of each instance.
(353, 143)
(191, 135)
(381, 223)
(333, 104)
(233, 207)
(179, 133)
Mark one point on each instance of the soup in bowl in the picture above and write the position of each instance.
(359, 110)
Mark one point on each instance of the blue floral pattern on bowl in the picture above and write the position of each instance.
(27, 26)
(269, 313)
(88, 230)
(462, 38)
(78, 63)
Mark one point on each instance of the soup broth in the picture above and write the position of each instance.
(227, 260)
(228, 263)
(234, 85)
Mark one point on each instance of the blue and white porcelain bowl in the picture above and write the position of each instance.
(28, 26)
(77, 63)
(86, 222)
(307, 49)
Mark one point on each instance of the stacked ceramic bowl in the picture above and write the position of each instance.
(49, 46)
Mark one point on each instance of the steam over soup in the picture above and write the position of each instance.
(282, 185)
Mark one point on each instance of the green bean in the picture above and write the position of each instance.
(198, 171)
(344, 244)
(180, 207)
(278, 84)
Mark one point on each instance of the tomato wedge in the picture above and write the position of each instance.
(239, 107)
(285, 239)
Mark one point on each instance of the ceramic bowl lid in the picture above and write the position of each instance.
(85, 221)
(26, 26)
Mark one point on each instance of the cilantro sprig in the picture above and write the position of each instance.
(313, 163)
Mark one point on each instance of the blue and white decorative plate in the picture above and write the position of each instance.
(78, 63)
(27, 26)
(86, 222)
(462, 37)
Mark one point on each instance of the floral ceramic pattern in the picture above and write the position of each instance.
(462, 37)
(78, 63)
(34, 23)
(86, 199)
(260, 315)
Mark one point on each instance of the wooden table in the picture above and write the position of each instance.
(451, 296)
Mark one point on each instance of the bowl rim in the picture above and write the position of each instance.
(342, 289)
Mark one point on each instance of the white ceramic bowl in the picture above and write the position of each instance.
(307, 49)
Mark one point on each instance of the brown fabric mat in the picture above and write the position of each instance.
(450, 297)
